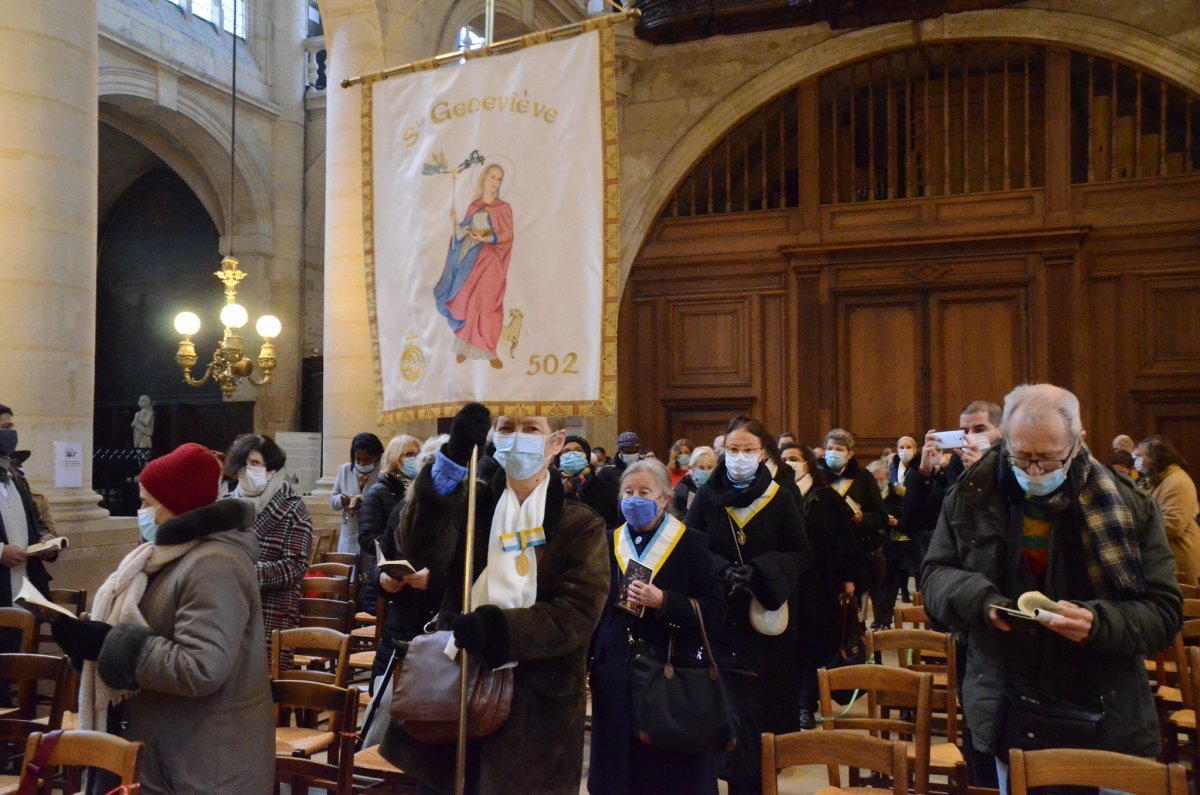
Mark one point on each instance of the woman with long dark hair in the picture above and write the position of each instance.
(756, 534)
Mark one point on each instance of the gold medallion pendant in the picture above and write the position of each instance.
(522, 564)
(741, 537)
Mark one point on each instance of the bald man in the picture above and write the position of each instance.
(1123, 442)
(1038, 513)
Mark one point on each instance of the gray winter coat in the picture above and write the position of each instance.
(203, 703)
(968, 569)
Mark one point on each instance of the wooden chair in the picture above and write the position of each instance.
(28, 671)
(304, 701)
(295, 746)
(1182, 720)
(312, 644)
(1086, 768)
(23, 621)
(834, 748)
(926, 651)
(332, 569)
(326, 588)
(1189, 591)
(339, 557)
(913, 617)
(917, 600)
(331, 613)
(75, 601)
(364, 641)
(374, 775)
(886, 689)
(79, 749)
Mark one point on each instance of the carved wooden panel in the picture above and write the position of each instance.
(1170, 329)
(709, 343)
(701, 421)
(979, 348)
(880, 358)
(1176, 415)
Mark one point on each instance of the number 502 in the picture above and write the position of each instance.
(550, 364)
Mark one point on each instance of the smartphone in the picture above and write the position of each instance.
(950, 440)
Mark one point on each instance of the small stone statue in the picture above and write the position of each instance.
(143, 424)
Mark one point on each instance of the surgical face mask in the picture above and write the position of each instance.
(799, 468)
(630, 458)
(639, 511)
(905, 456)
(521, 455)
(980, 440)
(146, 524)
(741, 467)
(1040, 485)
(8, 442)
(700, 476)
(835, 460)
(572, 462)
(252, 480)
(409, 467)
(683, 461)
(1139, 463)
(364, 469)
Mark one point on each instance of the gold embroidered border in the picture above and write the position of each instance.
(605, 403)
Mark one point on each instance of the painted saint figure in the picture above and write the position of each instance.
(470, 293)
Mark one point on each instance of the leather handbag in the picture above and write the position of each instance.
(680, 708)
(33, 775)
(851, 648)
(425, 698)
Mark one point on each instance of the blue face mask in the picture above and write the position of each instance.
(639, 511)
(700, 476)
(521, 455)
(409, 467)
(1040, 485)
(835, 460)
(146, 524)
(573, 462)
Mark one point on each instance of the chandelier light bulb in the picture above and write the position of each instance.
(187, 323)
(268, 327)
(234, 316)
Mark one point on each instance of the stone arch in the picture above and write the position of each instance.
(193, 140)
(1078, 31)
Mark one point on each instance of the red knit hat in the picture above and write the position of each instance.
(183, 479)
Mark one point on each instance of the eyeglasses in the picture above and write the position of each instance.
(741, 450)
(1043, 464)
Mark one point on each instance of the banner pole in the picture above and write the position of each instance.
(489, 21)
(460, 761)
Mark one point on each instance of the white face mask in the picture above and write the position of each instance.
(905, 456)
(980, 440)
(799, 468)
(252, 480)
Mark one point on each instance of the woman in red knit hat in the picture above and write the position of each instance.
(174, 650)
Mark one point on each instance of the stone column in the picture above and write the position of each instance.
(48, 101)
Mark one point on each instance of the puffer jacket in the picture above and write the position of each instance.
(969, 568)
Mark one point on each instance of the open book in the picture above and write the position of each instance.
(50, 545)
(1033, 606)
(32, 600)
(392, 568)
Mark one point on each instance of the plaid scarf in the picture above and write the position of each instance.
(1113, 559)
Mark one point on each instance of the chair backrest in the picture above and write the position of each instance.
(20, 619)
(326, 587)
(1189, 591)
(911, 618)
(833, 748)
(913, 647)
(28, 671)
(1189, 634)
(322, 642)
(332, 613)
(917, 599)
(79, 748)
(295, 698)
(348, 571)
(339, 557)
(890, 688)
(322, 543)
(1087, 768)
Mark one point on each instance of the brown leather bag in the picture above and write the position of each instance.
(425, 697)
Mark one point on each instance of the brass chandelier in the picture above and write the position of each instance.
(229, 366)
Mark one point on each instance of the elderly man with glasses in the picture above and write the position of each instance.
(1039, 514)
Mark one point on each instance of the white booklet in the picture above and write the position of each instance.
(32, 600)
(1033, 606)
(51, 545)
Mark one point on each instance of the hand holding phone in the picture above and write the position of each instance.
(950, 440)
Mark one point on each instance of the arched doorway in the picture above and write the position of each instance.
(884, 242)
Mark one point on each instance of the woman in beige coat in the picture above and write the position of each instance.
(1165, 476)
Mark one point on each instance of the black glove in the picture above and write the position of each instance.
(470, 633)
(737, 578)
(81, 640)
(468, 429)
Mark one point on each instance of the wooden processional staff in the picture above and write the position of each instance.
(460, 763)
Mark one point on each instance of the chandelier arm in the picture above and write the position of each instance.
(187, 376)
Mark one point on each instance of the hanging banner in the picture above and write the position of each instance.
(490, 225)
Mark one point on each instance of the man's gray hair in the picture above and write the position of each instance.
(1039, 401)
(655, 469)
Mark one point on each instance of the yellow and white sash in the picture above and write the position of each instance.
(842, 486)
(659, 548)
(743, 515)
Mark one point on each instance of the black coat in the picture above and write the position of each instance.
(777, 548)
(619, 763)
(837, 559)
(680, 501)
(35, 569)
(409, 610)
(375, 522)
(599, 494)
(923, 498)
(873, 530)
